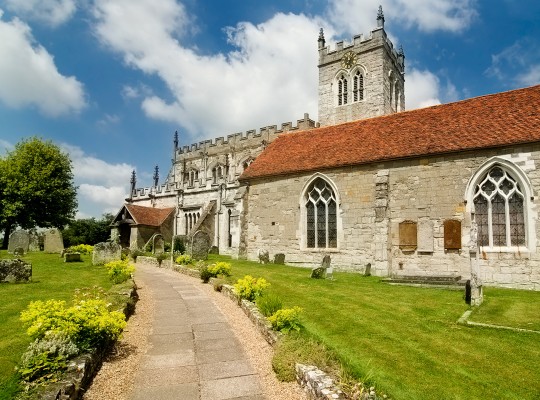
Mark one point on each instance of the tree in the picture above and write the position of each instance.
(36, 187)
(87, 231)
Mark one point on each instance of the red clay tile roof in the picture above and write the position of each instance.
(148, 215)
(489, 121)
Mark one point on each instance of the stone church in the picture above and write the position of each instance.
(436, 191)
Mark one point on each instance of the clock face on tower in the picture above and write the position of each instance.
(349, 59)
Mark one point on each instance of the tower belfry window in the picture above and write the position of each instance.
(342, 90)
(358, 87)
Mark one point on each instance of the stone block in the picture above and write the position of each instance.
(15, 271)
(72, 257)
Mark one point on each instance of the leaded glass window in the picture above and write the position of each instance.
(321, 215)
(499, 210)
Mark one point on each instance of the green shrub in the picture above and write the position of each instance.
(88, 322)
(179, 245)
(184, 259)
(220, 268)
(286, 319)
(269, 304)
(136, 253)
(80, 248)
(200, 265)
(119, 271)
(47, 356)
(206, 274)
(162, 256)
(167, 247)
(250, 288)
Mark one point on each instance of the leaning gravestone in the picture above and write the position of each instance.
(200, 245)
(105, 252)
(19, 239)
(324, 271)
(279, 258)
(53, 241)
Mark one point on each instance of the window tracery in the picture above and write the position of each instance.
(321, 215)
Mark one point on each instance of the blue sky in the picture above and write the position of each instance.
(111, 80)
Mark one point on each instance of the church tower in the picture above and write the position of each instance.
(360, 80)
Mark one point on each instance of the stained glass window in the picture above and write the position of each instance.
(499, 210)
(321, 215)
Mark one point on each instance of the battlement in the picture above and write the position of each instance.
(165, 189)
(376, 38)
(265, 133)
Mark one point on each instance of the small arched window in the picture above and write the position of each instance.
(342, 90)
(321, 215)
(358, 86)
(499, 210)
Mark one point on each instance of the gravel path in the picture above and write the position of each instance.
(115, 380)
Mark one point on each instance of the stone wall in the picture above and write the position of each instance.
(375, 199)
(379, 62)
(15, 271)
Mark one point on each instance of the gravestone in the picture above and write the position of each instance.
(279, 258)
(53, 241)
(367, 272)
(324, 271)
(72, 257)
(264, 257)
(18, 252)
(15, 271)
(19, 239)
(34, 242)
(200, 245)
(159, 244)
(105, 252)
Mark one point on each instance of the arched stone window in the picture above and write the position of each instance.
(358, 86)
(499, 194)
(498, 204)
(342, 90)
(321, 215)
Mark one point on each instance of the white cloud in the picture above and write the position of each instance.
(426, 15)
(518, 64)
(259, 83)
(5, 146)
(29, 77)
(421, 89)
(102, 186)
(50, 12)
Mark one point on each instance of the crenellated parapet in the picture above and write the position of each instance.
(166, 189)
(267, 133)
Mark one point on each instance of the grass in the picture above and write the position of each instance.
(406, 339)
(51, 279)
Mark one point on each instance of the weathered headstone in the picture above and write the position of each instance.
(200, 245)
(53, 241)
(105, 252)
(367, 271)
(72, 257)
(264, 257)
(15, 271)
(159, 244)
(35, 242)
(19, 239)
(18, 252)
(324, 271)
(279, 258)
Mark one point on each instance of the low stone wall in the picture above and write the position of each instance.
(82, 369)
(316, 384)
(147, 261)
(15, 271)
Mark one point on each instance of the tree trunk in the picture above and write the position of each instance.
(7, 231)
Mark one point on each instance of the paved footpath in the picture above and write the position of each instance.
(193, 353)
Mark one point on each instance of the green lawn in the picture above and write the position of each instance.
(407, 340)
(52, 279)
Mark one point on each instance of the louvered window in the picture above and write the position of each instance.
(358, 87)
(342, 90)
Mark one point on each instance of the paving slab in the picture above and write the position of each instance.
(193, 353)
